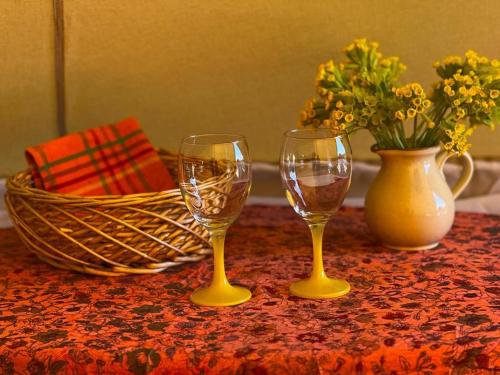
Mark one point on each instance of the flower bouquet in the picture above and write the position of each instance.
(364, 92)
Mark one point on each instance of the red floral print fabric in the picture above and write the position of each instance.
(429, 312)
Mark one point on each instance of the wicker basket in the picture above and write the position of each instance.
(107, 235)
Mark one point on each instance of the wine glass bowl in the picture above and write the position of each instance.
(215, 179)
(315, 168)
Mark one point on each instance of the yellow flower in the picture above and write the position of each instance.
(417, 89)
(452, 60)
(411, 113)
(361, 44)
(400, 115)
(472, 58)
(385, 63)
(436, 64)
(337, 115)
(473, 91)
(426, 103)
(329, 97)
(349, 117)
(321, 75)
(303, 115)
(339, 104)
(494, 94)
(448, 146)
(462, 90)
(311, 113)
(329, 65)
(495, 63)
(470, 54)
(460, 113)
(457, 102)
(357, 43)
(416, 101)
(483, 60)
(349, 48)
(431, 124)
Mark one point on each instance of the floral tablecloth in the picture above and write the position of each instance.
(408, 312)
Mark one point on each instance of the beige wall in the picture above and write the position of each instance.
(186, 67)
(27, 89)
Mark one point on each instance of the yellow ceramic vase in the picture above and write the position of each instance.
(410, 206)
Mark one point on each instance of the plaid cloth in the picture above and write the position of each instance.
(109, 160)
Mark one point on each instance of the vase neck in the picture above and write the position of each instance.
(410, 155)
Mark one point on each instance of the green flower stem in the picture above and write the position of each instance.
(402, 134)
(396, 139)
(414, 135)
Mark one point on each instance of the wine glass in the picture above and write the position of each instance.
(215, 178)
(315, 168)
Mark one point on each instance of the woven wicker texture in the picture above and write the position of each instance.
(109, 235)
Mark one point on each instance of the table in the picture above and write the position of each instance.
(408, 312)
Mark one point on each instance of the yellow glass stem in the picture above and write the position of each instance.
(318, 271)
(220, 292)
(319, 285)
(218, 238)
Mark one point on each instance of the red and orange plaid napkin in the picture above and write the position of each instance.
(113, 159)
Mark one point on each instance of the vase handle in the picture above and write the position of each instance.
(467, 171)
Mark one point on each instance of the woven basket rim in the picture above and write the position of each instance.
(19, 180)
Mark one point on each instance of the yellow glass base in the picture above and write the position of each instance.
(220, 295)
(320, 288)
